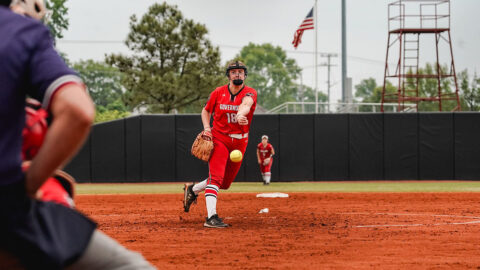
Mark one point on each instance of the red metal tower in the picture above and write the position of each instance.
(407, 21)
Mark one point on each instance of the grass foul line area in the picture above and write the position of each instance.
(251, 187)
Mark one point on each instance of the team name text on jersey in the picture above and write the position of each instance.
(228, 107)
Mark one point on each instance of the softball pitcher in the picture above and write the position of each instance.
(232, 107)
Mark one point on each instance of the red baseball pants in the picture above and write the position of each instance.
(222, 170)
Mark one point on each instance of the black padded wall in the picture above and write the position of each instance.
(436, 146)
(401, 146)
(467, 146)
(331, 147)
(297, 147)
(133, 149)
(79, 166)
(263, 124)
(108, 152)
(188, 168)
(391, 146)
(366, 146)
(158, 148)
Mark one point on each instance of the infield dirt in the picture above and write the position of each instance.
(304, 231)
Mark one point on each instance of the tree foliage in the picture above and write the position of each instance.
(470, 91)
(428, 87)
(109, 115)
(57, 21)
(307, 94)
(365, 91)
(368, 91)
(173, 66)
(104, 84)
(271, 73)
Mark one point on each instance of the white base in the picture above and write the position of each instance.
(272, 195)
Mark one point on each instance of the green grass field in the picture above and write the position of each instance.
(349, 186)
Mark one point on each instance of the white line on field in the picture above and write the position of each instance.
(414, 225)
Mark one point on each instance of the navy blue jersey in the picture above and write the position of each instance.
(29, 65)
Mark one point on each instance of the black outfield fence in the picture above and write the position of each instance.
(310, 147)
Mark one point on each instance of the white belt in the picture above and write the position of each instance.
(239, 136)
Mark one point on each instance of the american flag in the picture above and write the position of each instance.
(307, 24)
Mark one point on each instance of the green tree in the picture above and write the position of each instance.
(173, 66)
(369, 92)
(365, 90)
(470, 91)
(307, 94)
(104, 84)
(428, 87)
(109, 115)
(271, 73)
(57, 21)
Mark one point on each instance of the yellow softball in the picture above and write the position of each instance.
(236, 156)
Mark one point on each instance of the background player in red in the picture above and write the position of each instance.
(265, 154)
(232, 107)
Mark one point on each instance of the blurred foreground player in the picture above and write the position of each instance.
(44, 235)
(265, 154)
(232, 106)
(60, 187)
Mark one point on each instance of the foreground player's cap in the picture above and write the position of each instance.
(264, 137)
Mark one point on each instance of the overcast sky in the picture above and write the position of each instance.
(99, 27)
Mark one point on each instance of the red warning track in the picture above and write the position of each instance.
(304, 231)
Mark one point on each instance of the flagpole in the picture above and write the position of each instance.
(315, 26)
(344, 51)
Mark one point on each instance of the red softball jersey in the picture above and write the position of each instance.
(265, 152)
(224, 107)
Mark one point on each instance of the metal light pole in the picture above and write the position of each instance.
(315, 26)
(344, 51)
